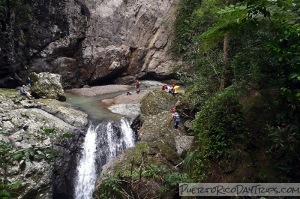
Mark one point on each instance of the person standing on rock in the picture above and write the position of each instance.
(175, 118)
(28, 82)
(138, 86)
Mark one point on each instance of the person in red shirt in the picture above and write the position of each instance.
(137, 86)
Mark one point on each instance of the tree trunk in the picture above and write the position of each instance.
(225, 77)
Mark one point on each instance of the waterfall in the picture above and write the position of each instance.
(101, 144)
(116, 144)
(86, 171)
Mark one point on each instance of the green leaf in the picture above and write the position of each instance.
(31, 151)
(18, 156)
(31, 158)
(67, 135)
(40, 156)
(15, 185)
(294, 75)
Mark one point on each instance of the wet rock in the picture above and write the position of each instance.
(129, 110)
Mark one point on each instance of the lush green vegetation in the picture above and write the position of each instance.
(126, 185)
(145, 171)
(245, 94)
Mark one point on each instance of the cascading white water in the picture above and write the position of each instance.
(117, 144)
(128, 134)
(86, 171)
(101, 145)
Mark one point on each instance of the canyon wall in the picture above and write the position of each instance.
(88, 42)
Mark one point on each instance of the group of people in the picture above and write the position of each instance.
(174, 89)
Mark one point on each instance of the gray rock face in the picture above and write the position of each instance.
(134, 35)
(42, 32)
(90, 42)
(47, 85)
(21, 120)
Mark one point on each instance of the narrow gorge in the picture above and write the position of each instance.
(86, 43)
(130, 98)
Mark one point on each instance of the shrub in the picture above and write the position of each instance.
(219, 128)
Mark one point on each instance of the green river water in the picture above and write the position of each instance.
(93, 106)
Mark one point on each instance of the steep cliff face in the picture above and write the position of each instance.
(91, 42)
(129, 37)
(43, 34)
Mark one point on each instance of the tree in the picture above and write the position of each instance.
(264, 55)
(225, 80)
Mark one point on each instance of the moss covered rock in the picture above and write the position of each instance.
(47, 85)
(158, 128)
(143, 171)
(157, 101)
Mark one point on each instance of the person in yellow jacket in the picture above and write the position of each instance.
(176, 89)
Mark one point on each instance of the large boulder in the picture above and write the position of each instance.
(157, 101)
(47, 85)
(157, 124)
(21, 122)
